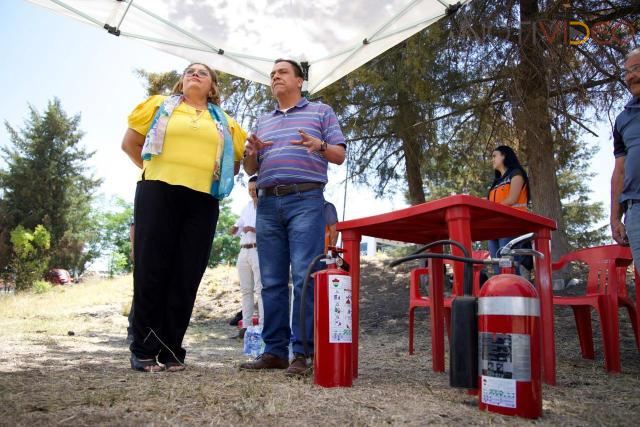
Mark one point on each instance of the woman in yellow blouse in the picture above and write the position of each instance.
(188, 150)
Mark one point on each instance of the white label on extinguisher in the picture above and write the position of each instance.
(498, 392)
(340, 305)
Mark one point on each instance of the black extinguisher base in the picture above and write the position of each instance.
(463, 354)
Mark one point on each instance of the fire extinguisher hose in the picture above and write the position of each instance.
(303, 299)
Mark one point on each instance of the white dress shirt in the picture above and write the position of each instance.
(247, 219)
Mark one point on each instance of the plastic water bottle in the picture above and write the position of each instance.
(253, 344)
(291, 346)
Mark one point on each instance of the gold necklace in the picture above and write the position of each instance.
(195, 122)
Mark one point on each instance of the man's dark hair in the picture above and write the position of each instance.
(254, 178)
(296, 67)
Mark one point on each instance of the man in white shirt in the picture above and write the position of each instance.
(247, 263)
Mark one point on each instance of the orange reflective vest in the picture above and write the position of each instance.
(500, 190)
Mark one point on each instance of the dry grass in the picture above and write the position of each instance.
(49, 377)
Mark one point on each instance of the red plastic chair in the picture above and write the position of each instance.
(606, 292)
(416, 299)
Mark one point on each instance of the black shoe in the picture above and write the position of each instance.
(234, 321)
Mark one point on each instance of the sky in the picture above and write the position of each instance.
(92, 72)
(45, 55)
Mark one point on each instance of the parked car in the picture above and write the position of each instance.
(58, 276)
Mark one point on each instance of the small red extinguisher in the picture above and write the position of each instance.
(333, 328)
(509, 347)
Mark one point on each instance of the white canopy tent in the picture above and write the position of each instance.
(242, 37)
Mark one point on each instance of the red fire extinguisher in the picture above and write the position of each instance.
(507, 337)
(333, 328)
(333, 333)
(509, 347)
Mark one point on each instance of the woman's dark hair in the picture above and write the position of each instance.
(254, 178)
(511, 164)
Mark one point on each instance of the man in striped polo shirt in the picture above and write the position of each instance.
(290, 150)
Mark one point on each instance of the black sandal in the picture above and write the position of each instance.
(145, 365)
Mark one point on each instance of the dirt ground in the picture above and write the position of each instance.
(64, 361)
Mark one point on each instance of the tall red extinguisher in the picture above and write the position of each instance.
(509, 347)
(333, 328)
(333, 334)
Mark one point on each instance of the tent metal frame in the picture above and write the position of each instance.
(204, 46)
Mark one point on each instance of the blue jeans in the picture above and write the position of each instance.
(494, 245)
(289, 232)
(632, 226)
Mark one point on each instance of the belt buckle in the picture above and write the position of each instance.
(276, 191)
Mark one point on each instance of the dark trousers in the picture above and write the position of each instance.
(174, 232)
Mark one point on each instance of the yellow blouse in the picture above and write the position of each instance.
(190, 147)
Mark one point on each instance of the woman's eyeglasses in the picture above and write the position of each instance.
(200, 73)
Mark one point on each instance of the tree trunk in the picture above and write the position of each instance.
(534, 123)
(411, 147)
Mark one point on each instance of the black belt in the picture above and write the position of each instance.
(249, 246)
(283, 190)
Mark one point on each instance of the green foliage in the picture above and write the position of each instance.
(423, 117)
(225, 247)
(41, 286)
(30, 255)
(243, 99)
(118, 263)
(114, 226)
(580, 214)
(158, 83)
(47, 182)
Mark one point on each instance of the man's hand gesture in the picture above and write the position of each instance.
(254, 144)
(313, 144)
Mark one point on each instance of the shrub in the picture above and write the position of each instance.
(41, 286)
(30, 255)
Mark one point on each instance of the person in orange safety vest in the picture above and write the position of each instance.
(510, 187)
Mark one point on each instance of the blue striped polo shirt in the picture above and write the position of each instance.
(285, 163)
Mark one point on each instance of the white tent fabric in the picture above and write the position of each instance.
(243, 37)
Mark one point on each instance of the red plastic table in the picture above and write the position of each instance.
(464, 219)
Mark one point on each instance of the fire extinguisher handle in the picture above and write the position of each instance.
(525, 251)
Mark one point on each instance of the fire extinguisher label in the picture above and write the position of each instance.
(505, 356)
(498, 392)
(340, 305)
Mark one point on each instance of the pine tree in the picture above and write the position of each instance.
(425, 115)
(47, 181)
